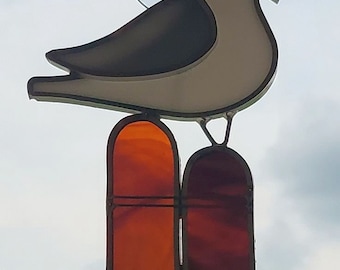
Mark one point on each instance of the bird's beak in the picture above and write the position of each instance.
(276, 1)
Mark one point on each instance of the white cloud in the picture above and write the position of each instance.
(325, 256)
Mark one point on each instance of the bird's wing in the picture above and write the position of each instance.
(170, 35)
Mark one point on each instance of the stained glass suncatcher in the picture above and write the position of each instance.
(190, 60)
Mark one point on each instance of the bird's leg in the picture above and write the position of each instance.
(229, 117)
(203, 124)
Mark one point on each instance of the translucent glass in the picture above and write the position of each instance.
(142, 224)
(217, 203)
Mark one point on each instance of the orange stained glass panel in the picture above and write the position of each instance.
(218, 215)
(142, 191)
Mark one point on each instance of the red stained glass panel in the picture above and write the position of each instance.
(218, 215)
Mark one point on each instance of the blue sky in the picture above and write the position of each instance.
(52, 156)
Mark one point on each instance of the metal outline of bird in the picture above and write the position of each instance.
(194, 87)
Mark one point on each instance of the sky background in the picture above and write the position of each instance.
(52, 156)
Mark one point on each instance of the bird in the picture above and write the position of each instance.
(179, 59)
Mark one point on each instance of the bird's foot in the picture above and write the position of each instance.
(203, 122)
